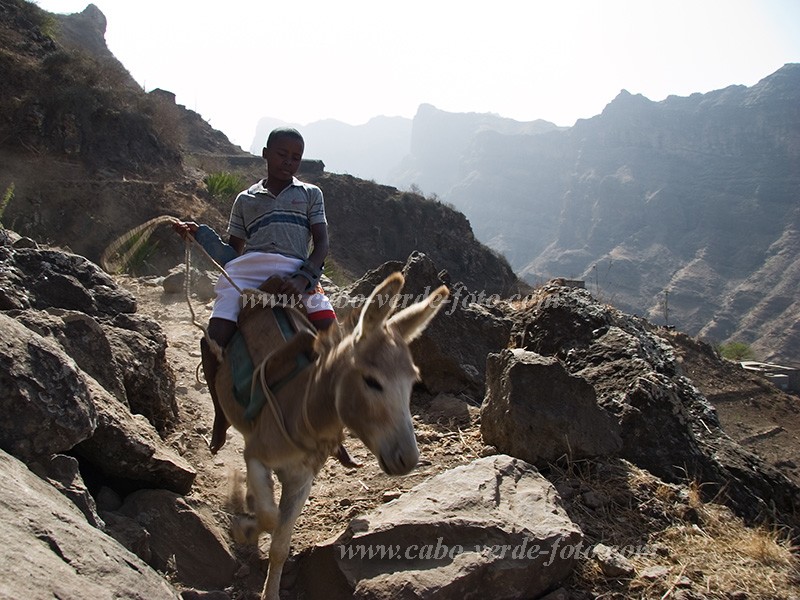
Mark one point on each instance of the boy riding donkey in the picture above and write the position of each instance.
(272, 227)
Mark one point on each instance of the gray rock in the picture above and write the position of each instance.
(490, 529)
(49, 278)
(127, 446)
(8, 237)
(202, 282)
(108, 499)
(129, 533)
(62, 473)
(45, 398)
(55, 553)
(665, 424)
(451, 354)
(139, 347)
(83, 339)
(612, 563)
(535, 410)
(182, 538)
(25, 242)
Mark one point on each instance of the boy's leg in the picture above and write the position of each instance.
(221, 331)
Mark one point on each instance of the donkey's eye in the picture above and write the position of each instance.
(373, 383)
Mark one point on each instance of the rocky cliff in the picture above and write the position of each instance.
(88, 156)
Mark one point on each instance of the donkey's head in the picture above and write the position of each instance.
(374, 392)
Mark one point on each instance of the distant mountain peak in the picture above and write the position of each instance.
(625, 101)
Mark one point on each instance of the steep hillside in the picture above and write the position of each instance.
(89, 155)
(688, 202)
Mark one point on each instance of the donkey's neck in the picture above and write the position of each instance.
(317, 424)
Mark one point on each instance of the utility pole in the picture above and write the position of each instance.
(666, 308)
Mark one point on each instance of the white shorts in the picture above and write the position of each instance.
(251, 270)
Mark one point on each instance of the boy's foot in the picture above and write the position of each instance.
(219, 433)
(343, 456)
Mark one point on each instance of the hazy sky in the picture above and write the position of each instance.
(235, 61)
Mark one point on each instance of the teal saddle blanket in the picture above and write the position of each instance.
(249, 394)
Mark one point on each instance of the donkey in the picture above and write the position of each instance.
(361, 380)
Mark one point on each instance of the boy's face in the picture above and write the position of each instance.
(283, 157)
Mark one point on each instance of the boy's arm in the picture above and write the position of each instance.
(213, 244)
(237, 244)
(307, 277)
(319, 237)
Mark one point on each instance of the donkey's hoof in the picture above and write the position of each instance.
(245, 530)
(219, 435)
(343, 456)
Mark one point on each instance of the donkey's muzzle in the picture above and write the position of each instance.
(399, 459)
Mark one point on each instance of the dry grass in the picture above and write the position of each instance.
(678, 545)
(721, 556)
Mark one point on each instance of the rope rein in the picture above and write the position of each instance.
(260, 376)
(113, 263)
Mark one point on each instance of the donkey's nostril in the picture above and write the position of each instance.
(398, 461)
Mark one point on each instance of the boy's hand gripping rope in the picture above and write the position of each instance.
(141, 234)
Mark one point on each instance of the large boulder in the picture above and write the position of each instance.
(81, 307)
(451, 354)
(50, 551)
(51, 406)
(181, 538)
(75, 364)
(45, 398)
(140, 348)
(535, 410)
(665, 424)
(83, 338)
(127, 448)
(491, 529)
(125, 353)
(50, 278)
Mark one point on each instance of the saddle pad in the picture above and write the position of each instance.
(241, 366)
(288, 360)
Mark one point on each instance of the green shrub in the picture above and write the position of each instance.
(335, 273)
(736, 351)
(31, 14)
(223, 185)
(138, 255)
(7, 196)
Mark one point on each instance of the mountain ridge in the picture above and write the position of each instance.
(679, 209)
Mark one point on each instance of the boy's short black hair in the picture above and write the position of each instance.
(281, 132)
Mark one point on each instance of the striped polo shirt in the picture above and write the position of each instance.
(280, 224)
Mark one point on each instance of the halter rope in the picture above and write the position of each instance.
(260, 375)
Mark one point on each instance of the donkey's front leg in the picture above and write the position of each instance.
(296, 485)
(261, 491)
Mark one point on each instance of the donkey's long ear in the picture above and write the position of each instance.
(412, 321)
(380, 304)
